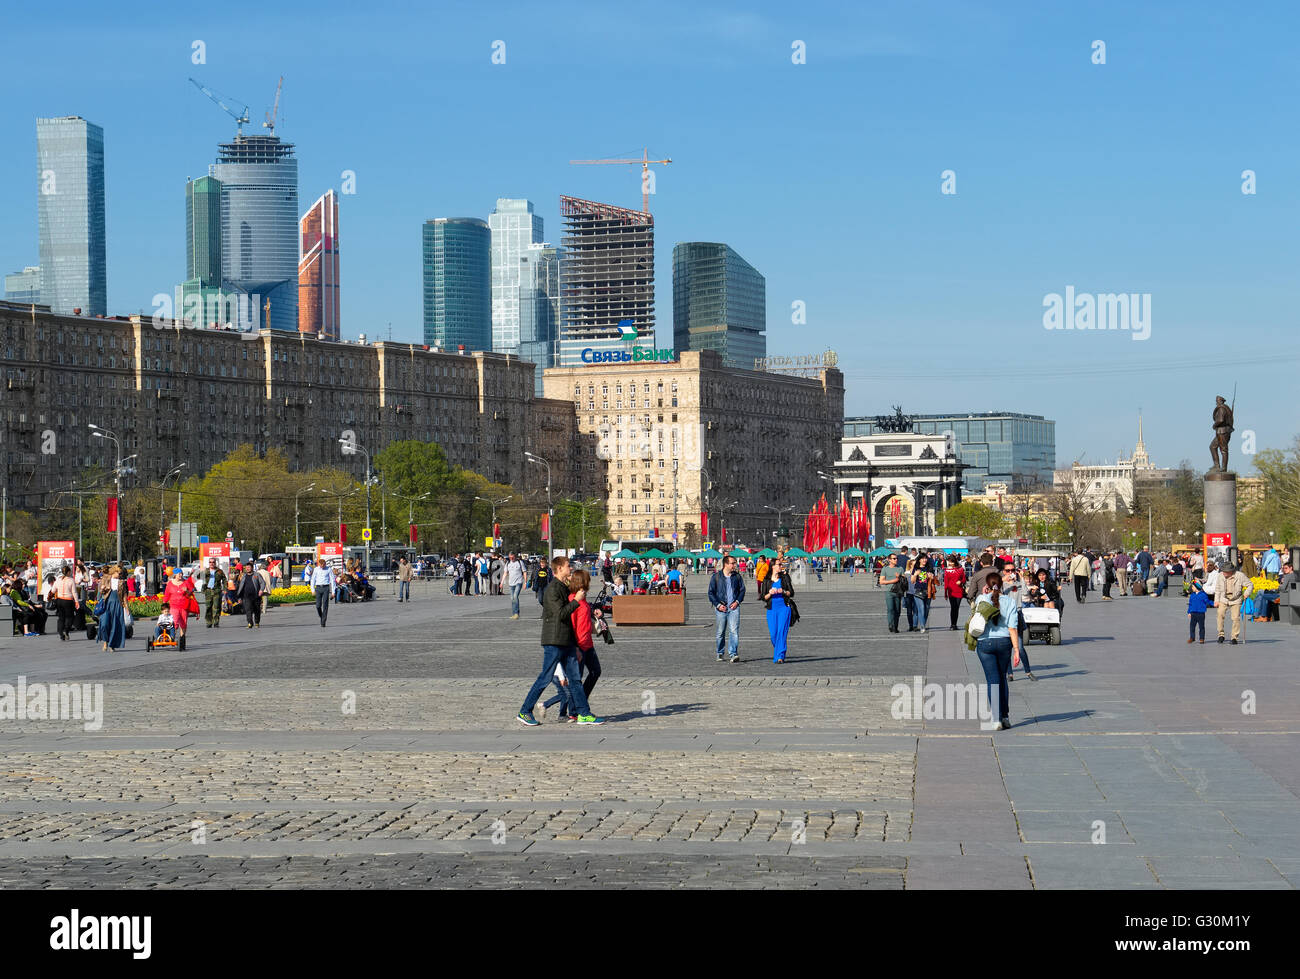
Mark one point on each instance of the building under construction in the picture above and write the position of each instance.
(607, 279)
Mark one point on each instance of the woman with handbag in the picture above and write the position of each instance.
(110, 610)
(178, 595)
(923, 583)
(777, 595)
(993, 636)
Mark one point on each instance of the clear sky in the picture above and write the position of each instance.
(826, 176)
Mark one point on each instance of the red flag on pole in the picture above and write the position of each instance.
(112, 514)
(167, 540)
(415, 534)
(546, 526)
(704, 525)
(496, 530)
(343, 533)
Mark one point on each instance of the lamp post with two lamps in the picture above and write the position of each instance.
(550, 513)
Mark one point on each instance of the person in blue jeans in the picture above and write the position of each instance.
(998, 648)
(559, 646)
(918, 592)
(726, 592)
(1197, 602)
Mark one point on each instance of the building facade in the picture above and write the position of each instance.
(906, 479)
(318, 269)
(514, 228)
(994, 446)
(180, 394)
(1113, 485)
(457, 284)
(675, 440)
(607, 280)
(70, 215)
(259, 226)
(719, 303)
(24, 286)
(539, 307)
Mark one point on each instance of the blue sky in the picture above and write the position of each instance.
(1122, 177)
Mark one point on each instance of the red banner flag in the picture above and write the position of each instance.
(343, 533)
(704, 525)
(496, 531)
(546, 526)
(167, 540)
(415, 534)
(112, 514)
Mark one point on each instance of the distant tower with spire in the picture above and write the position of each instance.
(1140, 458)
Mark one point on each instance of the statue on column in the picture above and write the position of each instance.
(1222, 425)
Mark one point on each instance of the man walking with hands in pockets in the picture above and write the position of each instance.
(726, 592)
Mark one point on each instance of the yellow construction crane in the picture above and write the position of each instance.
(275, 109)
(645, 162)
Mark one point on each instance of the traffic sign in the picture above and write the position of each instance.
(320, 539)
(674, 536)
(230, 535)
(365, 533)
(496, 542)
(204, 539)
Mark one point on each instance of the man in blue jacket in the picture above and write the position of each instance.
(726, 592)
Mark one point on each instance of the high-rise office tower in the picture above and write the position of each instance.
(719, 303)
(318, 269)
(70, 214)
(201, 298)
(457, 283)
(259, 226)
(539, 306)
(24, 286)
(514, 227)
(607, 279)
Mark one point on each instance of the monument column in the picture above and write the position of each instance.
(1220, 489)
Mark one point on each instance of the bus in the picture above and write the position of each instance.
(637, 545)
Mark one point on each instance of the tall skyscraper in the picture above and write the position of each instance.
(514, 227)
(70, 214)
(259, 225)
(539, 306)
(203, 230)
(318, 269)
(457, 283)
(719, 303)
(607, 279)
(24, 286)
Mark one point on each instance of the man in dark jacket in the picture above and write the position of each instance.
(559, 646)
(249, 593)
(726, 592)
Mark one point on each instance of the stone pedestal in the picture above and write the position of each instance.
(1221, 507)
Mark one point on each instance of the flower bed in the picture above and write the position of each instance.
(143, 608)
(294, 595)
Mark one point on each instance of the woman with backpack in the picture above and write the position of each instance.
(993, 636)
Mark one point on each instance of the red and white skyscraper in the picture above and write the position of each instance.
(318, 269)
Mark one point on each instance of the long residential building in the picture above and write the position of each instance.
(678, 439)
(174, 393)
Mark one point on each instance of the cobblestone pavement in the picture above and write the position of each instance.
(381, 756)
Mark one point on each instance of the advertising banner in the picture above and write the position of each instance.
(333, 555)
(221, 552)
(51, 556)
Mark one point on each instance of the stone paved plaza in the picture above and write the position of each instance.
(383, 751)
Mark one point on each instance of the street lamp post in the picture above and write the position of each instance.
(550, 513)
(357, 448)
(162, 505)
(494, 504)
(103, 433)
(308, 487)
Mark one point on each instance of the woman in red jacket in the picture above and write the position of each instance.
(177, 597)
(954, 586)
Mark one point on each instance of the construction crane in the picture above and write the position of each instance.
(645, 162)
(239, 117)
(275, 109)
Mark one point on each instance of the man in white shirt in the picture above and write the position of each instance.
(515, 582)
(1211, 579)
(323, 583)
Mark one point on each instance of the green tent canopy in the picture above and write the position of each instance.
(655, 553)
(825, 552)
(797, 552)
(711, 553)
(881, 552)
(766, 552)
(852, 552)
(682, 552)
(625, 553)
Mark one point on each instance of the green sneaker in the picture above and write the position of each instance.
(528, 720)
(589, 719)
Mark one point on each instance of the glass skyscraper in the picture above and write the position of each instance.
(457, 283)
(259, 226)
(203, 230)
(514, 227)
(999, 446)
(318, 269)
(719, 303)
(70, 214)
(24, 286)
(539, 307)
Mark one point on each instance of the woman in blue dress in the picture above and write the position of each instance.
(112, 624)
(776, 593)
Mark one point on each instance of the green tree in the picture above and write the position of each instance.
(972, 519)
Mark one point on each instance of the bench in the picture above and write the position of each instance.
(649, 610)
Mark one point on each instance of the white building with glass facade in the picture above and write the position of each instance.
(514, 228)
